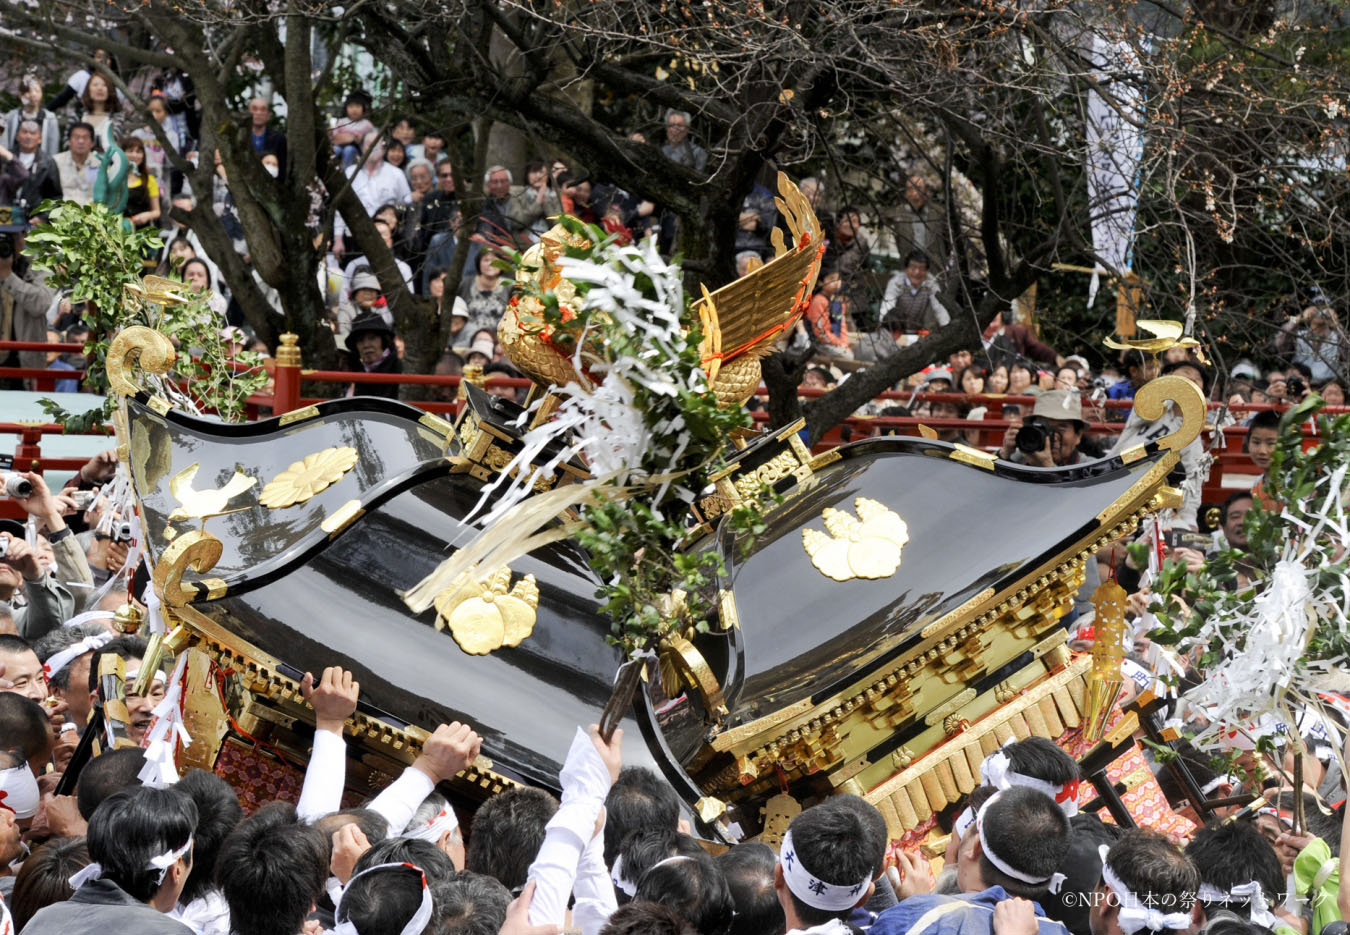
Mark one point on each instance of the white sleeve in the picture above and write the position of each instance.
(585, 783)
(594, 891)
(401, 797)
(940, 313)
(888, 298)
(325, 776)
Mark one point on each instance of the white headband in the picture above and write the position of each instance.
(963, 822)
(621, 882)
(160, 862)
(1134, 915)
(997, 771)
(816, 893)
(415, 925)
(19, 791)
(1249, 893)
(1055, 880)
(130, 676)
(58, 661)
(433, 830)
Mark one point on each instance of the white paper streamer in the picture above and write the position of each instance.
(165, 732)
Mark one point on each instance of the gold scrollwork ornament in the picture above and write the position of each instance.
(866, 546)
(483, 615)
(1151, 403)
(151, 349)
(196, 549)
(303, 479)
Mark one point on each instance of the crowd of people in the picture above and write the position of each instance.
(612, 855)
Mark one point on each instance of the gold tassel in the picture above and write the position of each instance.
(1108, 650)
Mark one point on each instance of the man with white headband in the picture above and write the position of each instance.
(65, 655)
(1013, 848)
(1035, 763)
(1148, 887)
(824, 869)
(132, 649)
(1239, 872)
(141, 843)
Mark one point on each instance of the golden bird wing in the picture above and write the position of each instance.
(237, 485)
(752, 312)
(180, 485)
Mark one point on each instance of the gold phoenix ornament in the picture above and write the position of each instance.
(867, 546)
(483, 615)
(1108, 650)
(1166, 335)
(303, 479)
(200, 504)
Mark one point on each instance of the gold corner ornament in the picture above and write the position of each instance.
(152, 350)
(201, 504)
(1151, 403)
(867, 546)
(196, 549)
(1108, 651)
(483, 615)
(303, 479)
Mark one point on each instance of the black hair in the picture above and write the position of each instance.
(1029, 833)
(878, 837)
(1265, 419)
(694, 887)
(1303, 370)
(371, 823)
(271, 870)
(107, 774)
(44, 877)
(1155, 870)
(506, 833)
(1228, 854)
(24, 727)
(434, 132)
(218, 813)
(128, 647)
(434, 862)
(646, 918)
(1234, 497)
(82, 125)
(642, 850)
(832, 845)
(535, 165)
(63, 638)
(10, 643)
(380, 902)
(748, 869)
(468, 904)
(1225, 922)
(1042, 759)
(639, 800)
(917, 256)
(1194, 365)
(131, 827)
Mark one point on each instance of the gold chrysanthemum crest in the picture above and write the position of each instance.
(304, 479)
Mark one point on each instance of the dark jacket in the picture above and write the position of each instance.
(273, 141)
(100, 907)
(43, 182)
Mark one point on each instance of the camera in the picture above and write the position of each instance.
(6, 246)
(83, 499)
(16, 485)
(1031, 437)
(121, 531)
(4, 547)
(1296, 386)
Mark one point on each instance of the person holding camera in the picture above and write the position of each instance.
(1314, 339)
(23, 567)
(1051, 436)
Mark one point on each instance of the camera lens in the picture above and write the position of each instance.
(1030, 438)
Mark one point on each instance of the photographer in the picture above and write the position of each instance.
(1052, 436)
(1314, 339)
(24, 300)
(25, 568)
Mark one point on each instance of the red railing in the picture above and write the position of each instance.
(1230, 462)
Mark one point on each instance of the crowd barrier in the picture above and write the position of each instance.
(1232, 468)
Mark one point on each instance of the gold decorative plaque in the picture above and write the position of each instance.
(483, 615)
(867, 546)
(304, 479)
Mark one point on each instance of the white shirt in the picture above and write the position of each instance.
(386, 185)
(77, 181)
